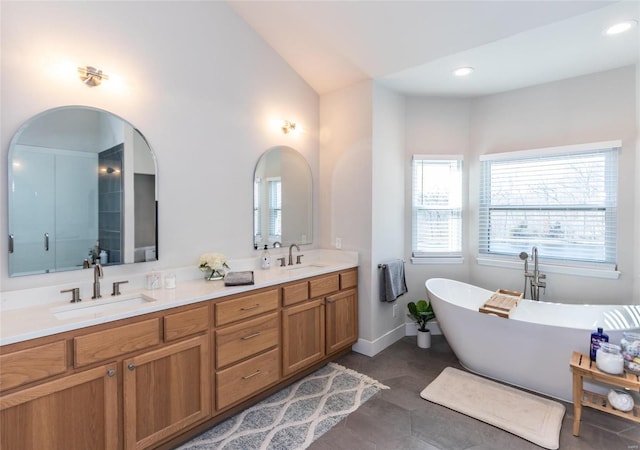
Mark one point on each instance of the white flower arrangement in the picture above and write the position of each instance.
(213, 261)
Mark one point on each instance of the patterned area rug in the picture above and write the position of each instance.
(295, 416)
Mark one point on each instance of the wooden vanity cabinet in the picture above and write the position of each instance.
(316, 328)
(33, 364)
(247, 346)
(81, 386)
(341, 313)
(79, 411)
(302, 335)
(165, 391)
(156, 380)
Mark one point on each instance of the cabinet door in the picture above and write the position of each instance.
(165, 391)
(302, 336)
(77, 412)
(342, 320)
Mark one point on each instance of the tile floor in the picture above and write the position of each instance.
(399, 419)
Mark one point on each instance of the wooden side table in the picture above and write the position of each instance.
(583, 367)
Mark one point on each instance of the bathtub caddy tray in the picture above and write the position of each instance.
(583, 367)
(502, 303)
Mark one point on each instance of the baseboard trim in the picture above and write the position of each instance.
(372, 348)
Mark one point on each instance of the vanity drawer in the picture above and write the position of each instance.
(186, 323)
(240, 341)
(106, 344)
(294, 293)
(247, 378)
(348, 279)
(324, 285)
(32, 364)
(246, 307)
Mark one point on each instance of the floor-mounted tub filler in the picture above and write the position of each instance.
(532, 348)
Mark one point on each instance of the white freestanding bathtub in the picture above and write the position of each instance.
(533, 347)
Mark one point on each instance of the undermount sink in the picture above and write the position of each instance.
(304, 267)
(101, 307)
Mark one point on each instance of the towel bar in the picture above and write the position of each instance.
(382, 266)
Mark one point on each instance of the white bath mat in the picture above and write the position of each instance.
(533, 418)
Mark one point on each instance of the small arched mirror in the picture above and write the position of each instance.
(82, 186)
(282, 199)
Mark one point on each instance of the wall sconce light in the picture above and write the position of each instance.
(91, 76)
(288, 126)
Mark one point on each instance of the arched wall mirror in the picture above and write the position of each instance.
(282, 199)
(82, 186)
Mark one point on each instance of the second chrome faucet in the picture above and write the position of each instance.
(97, 274)
(535, 278)
(291, 254)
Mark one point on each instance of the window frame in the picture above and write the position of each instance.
(437, 257)
(603, 269)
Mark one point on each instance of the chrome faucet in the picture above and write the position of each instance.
(534, 278)
(536, 284)
(291, 254)
(97, 274)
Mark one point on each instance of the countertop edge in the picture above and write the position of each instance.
(188, 292)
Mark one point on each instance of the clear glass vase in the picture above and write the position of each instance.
(213, 275)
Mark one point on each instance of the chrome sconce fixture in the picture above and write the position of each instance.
(288, 126)
(91, 76)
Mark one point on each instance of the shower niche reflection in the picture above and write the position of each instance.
(82, 182)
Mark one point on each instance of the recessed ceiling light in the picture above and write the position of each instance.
(463, 71)
(620, 27)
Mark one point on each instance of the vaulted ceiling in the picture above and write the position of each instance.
(413, 46)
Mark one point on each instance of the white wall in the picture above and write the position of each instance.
(362, 200)
(387, 209)
(592, 108)
(204, 89)
(437, 126)
(636, 278)
(345, 177)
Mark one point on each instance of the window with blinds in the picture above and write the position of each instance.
(561, 200)
(275, 209)
(437, 206)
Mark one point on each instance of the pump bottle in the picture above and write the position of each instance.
(597, 337)
(265, 259)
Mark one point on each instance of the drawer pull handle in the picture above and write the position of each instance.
(250, 307)
(251, 336)
(111, 372)
(252, 375)
(331, 301)
(131, 366)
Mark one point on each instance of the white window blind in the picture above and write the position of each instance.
(275, 209)
(561, 200)
(437, 206)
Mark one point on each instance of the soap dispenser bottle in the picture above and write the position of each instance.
(597, 337)
(265, 259)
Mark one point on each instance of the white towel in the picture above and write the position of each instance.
(392, 281)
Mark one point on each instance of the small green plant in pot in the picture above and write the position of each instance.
(421, 312)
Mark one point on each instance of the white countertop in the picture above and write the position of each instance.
(37, 320)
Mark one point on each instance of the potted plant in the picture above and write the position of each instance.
(421, 312)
